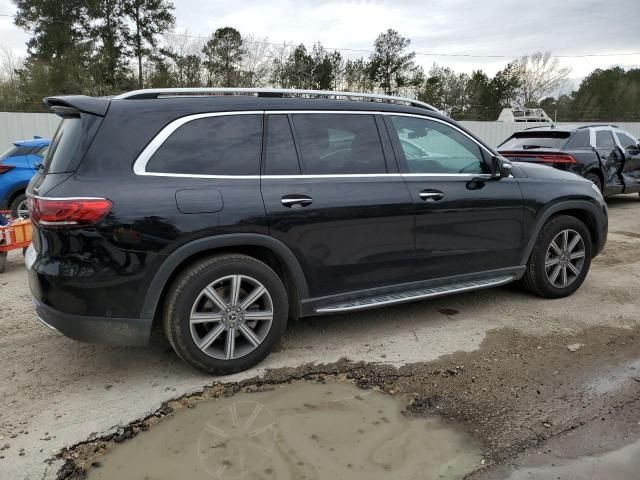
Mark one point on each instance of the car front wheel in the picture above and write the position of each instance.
(560, 259)
(225, 313)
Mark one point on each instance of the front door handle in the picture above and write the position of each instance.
(295, 200)
(429, 194)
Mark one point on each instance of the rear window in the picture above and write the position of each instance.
(224, 145)
(65, 146)
(535, 140)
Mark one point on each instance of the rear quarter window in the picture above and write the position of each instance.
(535, 140)
(579, 140)
(221, 145)
(65, 146)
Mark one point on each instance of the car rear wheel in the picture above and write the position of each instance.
(595, 179)
(225, 313)
(560, 259)
(19, 207)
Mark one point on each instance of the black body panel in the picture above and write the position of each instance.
(359, 233)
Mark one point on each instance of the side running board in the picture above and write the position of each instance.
(412, 295)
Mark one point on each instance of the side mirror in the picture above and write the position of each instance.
(500, 167)
(633, 149)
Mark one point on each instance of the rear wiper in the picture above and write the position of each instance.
(528, 147)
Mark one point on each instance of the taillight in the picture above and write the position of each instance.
(541, 157)
(6, 168)
(53, 212)
(556, 158)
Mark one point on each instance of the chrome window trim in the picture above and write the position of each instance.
(282, 177)
(140, 164)
(39, 197)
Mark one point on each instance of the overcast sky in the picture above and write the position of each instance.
(475, 27)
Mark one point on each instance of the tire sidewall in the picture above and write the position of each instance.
(15, 203)
(548, 235)
(595, 179)
(192, 286)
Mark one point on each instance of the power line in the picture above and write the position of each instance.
(363, 50)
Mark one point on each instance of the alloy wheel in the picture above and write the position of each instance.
(231, 317)
(564, 259)
(23, 210)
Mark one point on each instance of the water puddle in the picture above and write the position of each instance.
(298, 431)
(620, 464)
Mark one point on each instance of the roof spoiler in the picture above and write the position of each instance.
(79, 103)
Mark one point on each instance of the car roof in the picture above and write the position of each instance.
(32, 143)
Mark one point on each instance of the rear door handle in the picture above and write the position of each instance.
(296, 200)
(429, 194)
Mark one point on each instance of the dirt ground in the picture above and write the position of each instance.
(496, 362)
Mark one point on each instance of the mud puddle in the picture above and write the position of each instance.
(300, 430)
(622, 464)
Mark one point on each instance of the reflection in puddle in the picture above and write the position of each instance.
(304, 430)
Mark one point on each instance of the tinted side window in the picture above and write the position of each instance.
(339, 144)
(626, 140)
(579, 140)
(281, 157)
(604, 139)
(225, 145)
(433, 147)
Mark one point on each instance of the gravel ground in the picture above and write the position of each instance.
(516, 388)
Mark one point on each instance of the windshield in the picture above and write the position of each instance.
(535, 140)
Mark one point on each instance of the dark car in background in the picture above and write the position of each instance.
(604, 154)
(222, 213)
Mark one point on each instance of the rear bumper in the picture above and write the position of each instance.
(104, 330)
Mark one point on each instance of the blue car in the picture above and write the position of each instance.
(17, 166)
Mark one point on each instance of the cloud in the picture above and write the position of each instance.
(489, 27)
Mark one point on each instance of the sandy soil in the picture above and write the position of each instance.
(496, 361)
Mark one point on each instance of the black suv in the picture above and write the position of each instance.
(604, 154)
(222, 213)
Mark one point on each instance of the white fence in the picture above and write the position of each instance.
(21, 126)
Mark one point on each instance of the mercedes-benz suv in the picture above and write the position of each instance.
(220, 214)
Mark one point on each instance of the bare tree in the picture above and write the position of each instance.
(9, 81)
(184, 52)
(540, 75)
(257, 60)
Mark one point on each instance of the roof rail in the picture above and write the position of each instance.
(599, 125)
(269, 92)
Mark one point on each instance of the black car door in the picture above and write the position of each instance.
(342, 209)
(462, 226)
(631, 163)
(611, 160)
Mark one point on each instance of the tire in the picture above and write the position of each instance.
(594, 178)
(3, 261)
(538, 277)
(188, 296)
(18, 204)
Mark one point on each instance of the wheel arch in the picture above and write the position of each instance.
(262, 247)
(14, 192)
(595, 168)
(583, 210)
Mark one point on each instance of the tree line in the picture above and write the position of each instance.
(104, 47)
